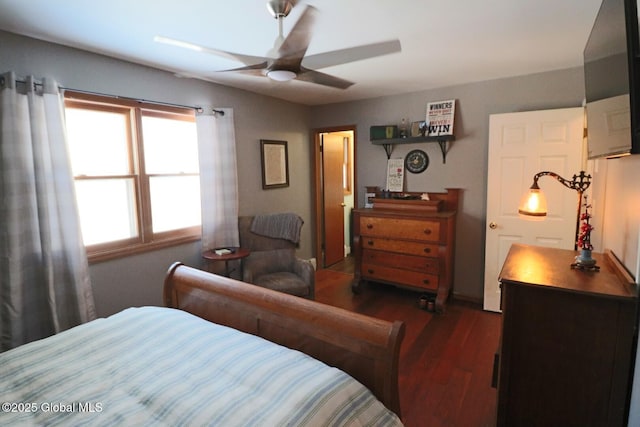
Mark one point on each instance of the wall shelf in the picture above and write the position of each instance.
(442, 140)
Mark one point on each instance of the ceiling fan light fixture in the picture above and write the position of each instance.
(281, 75)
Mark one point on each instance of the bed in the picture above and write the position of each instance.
(222, 352)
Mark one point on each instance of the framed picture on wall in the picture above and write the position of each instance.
(275, 164)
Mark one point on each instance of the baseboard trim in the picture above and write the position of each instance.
(468, 299)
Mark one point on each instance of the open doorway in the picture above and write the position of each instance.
(335, 192)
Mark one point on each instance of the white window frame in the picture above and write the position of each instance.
(146, 240)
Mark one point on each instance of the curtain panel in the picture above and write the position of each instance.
(44, 277)
(218, 177)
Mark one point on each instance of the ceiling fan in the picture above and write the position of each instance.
(284, 61)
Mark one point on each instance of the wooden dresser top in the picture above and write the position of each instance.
(550, 267)
(447, 206)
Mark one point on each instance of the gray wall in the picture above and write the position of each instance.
(120, 283)
(137, 280)
(466, 162)
(616, 199)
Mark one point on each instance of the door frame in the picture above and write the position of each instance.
(317, 183)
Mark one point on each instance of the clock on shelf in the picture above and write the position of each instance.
(416, 161)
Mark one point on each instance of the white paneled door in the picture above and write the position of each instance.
(521, 145)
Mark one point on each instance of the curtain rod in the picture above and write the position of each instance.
(168, 104)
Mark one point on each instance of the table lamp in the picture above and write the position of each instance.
(534, 204)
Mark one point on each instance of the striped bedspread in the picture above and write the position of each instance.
(160, 366)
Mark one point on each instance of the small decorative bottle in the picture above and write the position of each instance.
(403, 128)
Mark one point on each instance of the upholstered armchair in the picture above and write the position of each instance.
(273, 263)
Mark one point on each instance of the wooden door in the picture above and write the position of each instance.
(333, 197)
(521, 145)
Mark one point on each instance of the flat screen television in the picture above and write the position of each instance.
(612, 81)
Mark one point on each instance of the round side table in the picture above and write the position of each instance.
(236, 253)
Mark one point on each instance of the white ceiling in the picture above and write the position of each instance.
(444, 42)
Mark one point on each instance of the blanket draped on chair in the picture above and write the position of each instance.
(280, 226)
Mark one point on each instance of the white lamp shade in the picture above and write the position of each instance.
(534, 203)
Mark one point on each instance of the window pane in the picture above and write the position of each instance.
(97, 142)
(107, 209)
(175, 202)
(170, 146)
(131, 160)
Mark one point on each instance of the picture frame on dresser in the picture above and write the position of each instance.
(395, 175)
(274, 158)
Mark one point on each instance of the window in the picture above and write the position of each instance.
(135, 167)
(346, 166)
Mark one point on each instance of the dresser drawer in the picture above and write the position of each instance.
(399, 276)
(400, 246)
(396, 260)
(400, 228)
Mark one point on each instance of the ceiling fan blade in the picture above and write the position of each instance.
(297, 41)
(245, 59)
(317, 77)
(352, 54)
(249, 68)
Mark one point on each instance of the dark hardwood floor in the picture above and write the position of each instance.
(446, 360)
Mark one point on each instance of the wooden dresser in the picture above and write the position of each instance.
(408, 243)
(567, 346)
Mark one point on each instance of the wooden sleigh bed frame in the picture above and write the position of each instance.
(364, 347)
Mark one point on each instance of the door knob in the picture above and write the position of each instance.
(493, 225)
(343, 205)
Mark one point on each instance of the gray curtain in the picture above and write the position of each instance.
(44, 276)
(218, 177)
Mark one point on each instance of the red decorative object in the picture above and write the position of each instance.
(584, 261)
(584, 238)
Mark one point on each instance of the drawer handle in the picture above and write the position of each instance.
(425, 281)
(370, 242)
(370, 271)
(427, 231)
(427, 250)
(369, 226)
